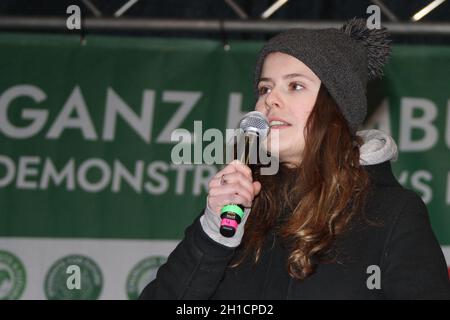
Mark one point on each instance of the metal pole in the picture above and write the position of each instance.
(247, 26)
(91, 7)
(386, 10)
(238, 10)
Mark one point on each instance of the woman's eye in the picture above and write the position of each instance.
(263, 90)
(296, 86)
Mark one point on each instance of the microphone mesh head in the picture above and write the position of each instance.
(255, 122)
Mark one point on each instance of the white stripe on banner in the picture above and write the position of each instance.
(115, 259)
(126, 266)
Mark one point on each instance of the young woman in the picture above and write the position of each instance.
(333, 223)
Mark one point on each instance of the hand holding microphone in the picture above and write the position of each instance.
(233, 189)
(233, 184)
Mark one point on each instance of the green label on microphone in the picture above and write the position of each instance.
(235, 209)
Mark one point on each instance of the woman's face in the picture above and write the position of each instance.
(287, 93)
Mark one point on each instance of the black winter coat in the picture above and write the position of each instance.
(403, 247)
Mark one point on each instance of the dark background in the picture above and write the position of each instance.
(293, 10)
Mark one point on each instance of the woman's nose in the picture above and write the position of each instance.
(273, 100)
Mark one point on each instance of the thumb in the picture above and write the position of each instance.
(256, 187)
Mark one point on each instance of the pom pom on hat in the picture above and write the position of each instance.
(376, 42)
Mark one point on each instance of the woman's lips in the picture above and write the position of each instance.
(278, 124)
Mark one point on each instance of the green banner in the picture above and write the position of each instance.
(85, 130)
(99, 117)
(416, 113)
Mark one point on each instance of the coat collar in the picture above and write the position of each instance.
(381, 174)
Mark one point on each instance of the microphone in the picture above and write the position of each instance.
(254, 126)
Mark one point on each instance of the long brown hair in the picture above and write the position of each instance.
(312, 204)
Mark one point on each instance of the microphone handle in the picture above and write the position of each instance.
(232, 214)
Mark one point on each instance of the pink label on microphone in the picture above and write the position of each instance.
(229, 223)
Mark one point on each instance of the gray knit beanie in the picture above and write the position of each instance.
(344, 60)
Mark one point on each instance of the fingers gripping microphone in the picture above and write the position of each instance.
(254, 126)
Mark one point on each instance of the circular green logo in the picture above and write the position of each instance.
(73, 277)
(142, 274)
(12, 276)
